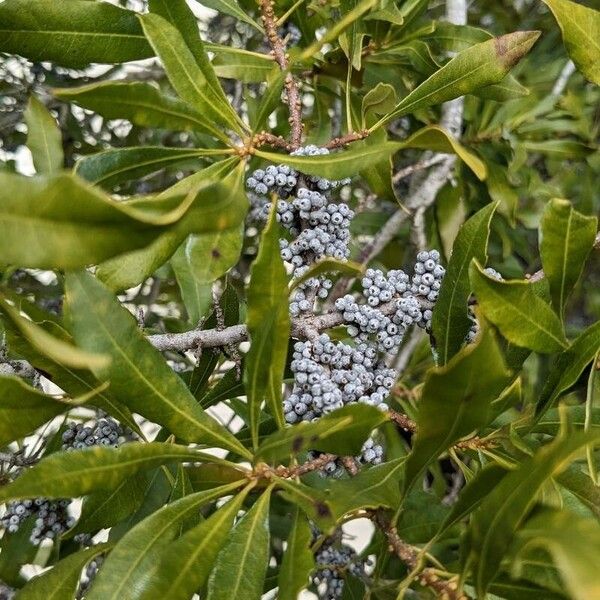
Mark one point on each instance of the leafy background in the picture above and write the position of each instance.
(511, 514)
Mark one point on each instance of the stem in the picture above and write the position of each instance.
(302, 328)
(409, 556)
(278, 50)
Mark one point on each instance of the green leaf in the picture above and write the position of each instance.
(499, 515)
(343, 431)
(61, 581)
(580, 27)
(569, 366)
(231, 7)
(183, 566)
(567, 238)
(363, 155)
(111, 167)
(268, 321)
(242, 65)
(476, 67)
(520, 314)
(472, 495)
(591, 402)
(450, 316)
(185, 74)
(269, 102)
(242, 563)
(79, 472)
(333, 32)
(16, 550)
(71, 34)
(138, 374)
(50, 346)
(131, 269)
(75, 382)
(102, 509)
(372, 488)
(378, 101)
(455, 401)
(23, 409)
(61, 222)
(136, 552)
(336, 165)
(313, 502)
(438, 139)
(298, 559)
(201, 260)
(141, 103)
(43, 137)
(221, 204)
(574, 544)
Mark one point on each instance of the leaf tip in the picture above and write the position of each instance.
(510, 48)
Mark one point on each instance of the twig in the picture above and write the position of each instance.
(473, 443)
(264, 471)
(344, 140)
(418, 166)
(563, 78)
(279, 54)
(410, 557)
(270, 139)
(302, 328)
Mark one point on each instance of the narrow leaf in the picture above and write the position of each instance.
(61, 581)
(298, 559)
(501, 512)
(184, 566)
(72, 35)
(50, 346)
(141, 103)
(79, 472)
(463, 391)
(480, 65)
(201, 260)
(268, 322)
(567, 238)
(450, 315)
(184, 73)
(242, 563)
(522, 316)
(23, 409)
(111, 167)
(580, 27)
(43, 138)
(343, 431)
(138, 374)
(136, 552)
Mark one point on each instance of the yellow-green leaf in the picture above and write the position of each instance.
(567, 238)
(522, 316)
(139, 376)
(268, 321)
(43, 138)
(580, 27)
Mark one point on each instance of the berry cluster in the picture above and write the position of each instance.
(105, 432)
(318, 227)
(328, 375)
(51, 517)
(334, 560)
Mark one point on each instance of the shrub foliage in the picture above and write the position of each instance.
(288, 269)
